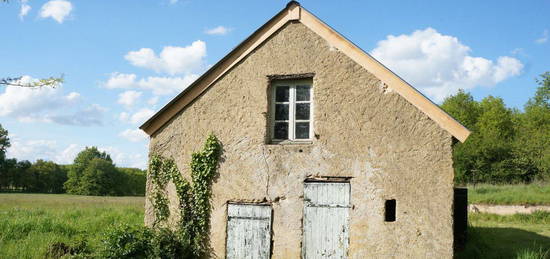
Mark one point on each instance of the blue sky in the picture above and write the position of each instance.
(123, 60)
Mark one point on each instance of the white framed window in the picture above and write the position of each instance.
(291, 111)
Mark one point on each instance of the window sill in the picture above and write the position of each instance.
(291, 142)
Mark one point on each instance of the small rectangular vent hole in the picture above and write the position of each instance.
(390, 210)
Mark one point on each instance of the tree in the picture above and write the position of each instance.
(506, 145)
(4, 167)
(487, 154)
(134, 181)
(533, 142)
(74, 183)
(4, 143)
(47, 176)
(99, 178)
(463, 108)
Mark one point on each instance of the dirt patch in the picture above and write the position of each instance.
(506, 209)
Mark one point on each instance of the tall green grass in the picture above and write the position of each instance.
(521, 194)
(512, 236)
(33, 224)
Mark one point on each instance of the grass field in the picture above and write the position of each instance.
(31, 224)
(532, 194)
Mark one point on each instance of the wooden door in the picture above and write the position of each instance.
(248, 231)
(326, 220)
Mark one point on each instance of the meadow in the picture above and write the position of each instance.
(519, 194)
(37, 225)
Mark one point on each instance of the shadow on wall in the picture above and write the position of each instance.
(489, 242)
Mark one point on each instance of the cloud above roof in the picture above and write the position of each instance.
(220, 30)
(439, 65)
(58, 10)
(172, 59)
(158, 85)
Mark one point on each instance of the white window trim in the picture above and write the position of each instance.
(291, 107)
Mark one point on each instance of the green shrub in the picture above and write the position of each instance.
(126, 241)
(169, 244)
(76, 249)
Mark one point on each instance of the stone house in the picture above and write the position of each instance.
(326, 152)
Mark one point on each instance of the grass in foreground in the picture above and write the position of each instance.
(514, 236)
(33, 224)
(530, 194)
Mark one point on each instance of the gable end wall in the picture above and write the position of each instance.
(389, 148)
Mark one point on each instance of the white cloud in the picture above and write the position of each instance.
(158, 85)
(439, 64)
(173, 1)
(67, 155)
(153, 100)
(129, 98)
(133, 135)
(33, 150)
(89, 116)
(172, 59)
(72, 96)
(49, 105)
(124, 116)
(119, 80)
(220, 30)
(18, 101)
(518, 51)
(25, 8)
(543, 38)
(57, 10)
(141, 116)
(134, 159)
(166, 85)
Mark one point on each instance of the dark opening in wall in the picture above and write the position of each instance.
(390, 210)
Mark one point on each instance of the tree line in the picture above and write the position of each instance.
(92, 173)
(507, 145)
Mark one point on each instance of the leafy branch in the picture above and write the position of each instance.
(45, 82)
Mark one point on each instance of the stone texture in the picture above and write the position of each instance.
(365, 131)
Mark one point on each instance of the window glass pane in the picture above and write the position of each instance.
(281, 94)
(302, 130)
(281, 130)
(302, 111)
(302, 92)
(281, 112)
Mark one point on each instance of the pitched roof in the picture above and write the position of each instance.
(294, 12)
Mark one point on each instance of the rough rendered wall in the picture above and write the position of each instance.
(390, 148)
